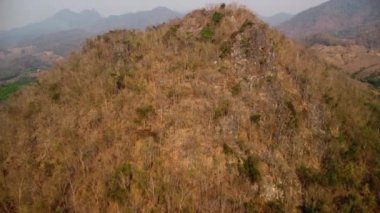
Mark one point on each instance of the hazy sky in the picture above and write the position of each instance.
(15, 13)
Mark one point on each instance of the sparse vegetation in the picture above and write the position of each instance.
(247, 23)
(156, 121)
(293, 119)
(255, 118)
(145, 111)
(222, 109)
(312, 207)
(274, 207)
(225, 49)
(251, 170)
(207, 33)
(227, 149)
(217, 17)
(236, 89)
(308, 176)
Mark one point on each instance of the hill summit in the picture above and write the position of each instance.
(209, 113)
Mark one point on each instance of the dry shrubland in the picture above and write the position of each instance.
(210, 113)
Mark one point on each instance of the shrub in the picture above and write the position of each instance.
(236, 89)
(252, 206)
(246, 46)
(312, 206)
(119, 81)
(106, 38)
(349, 203)
(255, 118)
(56, 96)
(222, 109)
(145, 111)
(250, 169)
(55, 89)
(32, 109)
(217, 17)
(225, 49)
(291, 108)
(135, 86)
(327, 98)
(242, 145)
(207, 33)
(274, 207)
(293, 120)
(352, 152)
(170, 33)
(247, 23)
(227, 149)
(308, 176)
(331, 172)
(119, 185)
(49, 169)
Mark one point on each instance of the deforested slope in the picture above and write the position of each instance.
(210, 113)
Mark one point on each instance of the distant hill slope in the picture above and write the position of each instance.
(277, 19)
(88, 21)
(214, 112)
(356, 20)
(61, 21)
(138, 20)
(359, 62)
(66, 31)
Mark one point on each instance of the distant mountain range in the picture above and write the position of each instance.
(355, 21)
(64, 32)
(81, 25)
(277, 19)
(61, 21)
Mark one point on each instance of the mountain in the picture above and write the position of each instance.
(357, 61)
(214, 112)
(88, 21)
(138, 20)
(66, 31)
(355, 20)
(277, 19)
(61, 21)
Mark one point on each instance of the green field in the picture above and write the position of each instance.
(7, 90)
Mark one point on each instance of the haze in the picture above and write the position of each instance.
(16, 13)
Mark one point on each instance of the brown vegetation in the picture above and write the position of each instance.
(177, 118)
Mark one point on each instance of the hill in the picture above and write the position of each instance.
(358, 61)
(138, 20)
(210, 113)
(355, 20)
(277, 19)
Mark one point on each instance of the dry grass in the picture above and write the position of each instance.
(151, 121)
